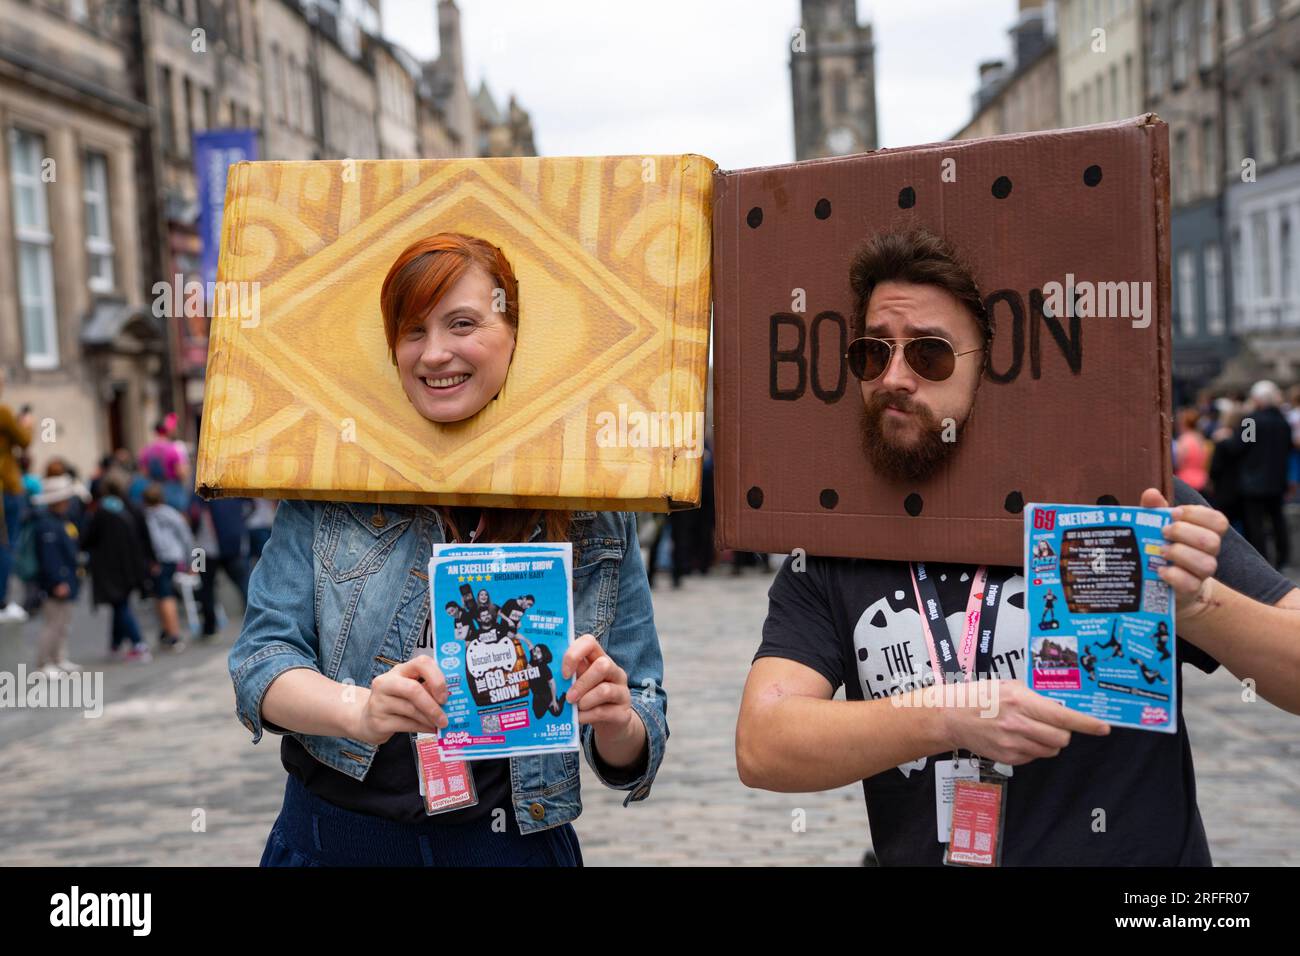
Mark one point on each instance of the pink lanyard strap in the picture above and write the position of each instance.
(966, 640)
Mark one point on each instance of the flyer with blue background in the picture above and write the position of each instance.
(503, 620)
(1101, 621)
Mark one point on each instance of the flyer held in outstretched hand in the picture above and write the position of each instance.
(1101, 621)
(503, 620)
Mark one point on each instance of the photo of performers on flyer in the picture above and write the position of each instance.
(1100, 617)
(503, 615)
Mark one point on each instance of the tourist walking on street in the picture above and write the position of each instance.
(15, 434)
(120, 554)
(173, 544)
(55, 536)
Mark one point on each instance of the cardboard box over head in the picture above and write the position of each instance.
(1073, 405)
(603, 404)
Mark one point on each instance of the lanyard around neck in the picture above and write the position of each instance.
(973, 656)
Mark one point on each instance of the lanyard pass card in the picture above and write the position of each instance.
(946, 774)
(979, 814)
(444, 784)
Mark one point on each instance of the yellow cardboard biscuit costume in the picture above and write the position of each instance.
(603, 407)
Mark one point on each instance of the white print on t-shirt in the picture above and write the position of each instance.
(893, 658)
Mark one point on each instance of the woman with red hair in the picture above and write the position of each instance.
(339, 604)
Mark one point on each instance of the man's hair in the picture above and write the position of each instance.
(914, 255)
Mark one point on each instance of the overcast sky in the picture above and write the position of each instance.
(703, 76)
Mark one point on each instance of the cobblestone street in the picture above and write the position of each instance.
(126, 788)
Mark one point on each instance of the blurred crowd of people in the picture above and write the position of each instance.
(135, 529)
(1242, 452)
(681, 542)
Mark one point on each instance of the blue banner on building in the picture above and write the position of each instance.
(214, 151)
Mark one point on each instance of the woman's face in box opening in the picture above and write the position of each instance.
(456, 361)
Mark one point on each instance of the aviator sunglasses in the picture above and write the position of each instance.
(929, 356)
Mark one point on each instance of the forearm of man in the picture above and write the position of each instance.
(1253, 640)
(798, 744)
(307, 702)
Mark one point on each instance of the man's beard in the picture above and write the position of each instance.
(911, 463)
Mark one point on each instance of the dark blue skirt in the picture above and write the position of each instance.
(313, 832)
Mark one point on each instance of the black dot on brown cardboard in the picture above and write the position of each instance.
(1092, 175)
(755, 217)
(829, 498)
(1015, 503)
(913, 504)
(823, 210)
(1107, 500)
(1001, 187)
(755, 497)
(906, 197)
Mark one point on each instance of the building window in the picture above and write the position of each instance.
(841, 87)
(1292, 109)
(1187, 293)
(1236, 136)
(1182, 41)
(273, 91)
(167, 114)
(35, 265)
(292, 99)
(1238, 282)
(1156, 70)
(1181, 168)
(1209, 157)
(1205, 44)
(1260, 254)
(1286, 274)
(1213, 289)
(1264, 125)
(187, 104)
(1128, 85)
(99, 235)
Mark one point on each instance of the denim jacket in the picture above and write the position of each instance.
(367, 606)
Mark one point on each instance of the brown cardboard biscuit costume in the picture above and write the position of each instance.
(1071, 407)
(603, 404)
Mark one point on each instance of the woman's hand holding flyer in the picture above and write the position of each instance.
(600, 690)
(406, 699)
(604, 700)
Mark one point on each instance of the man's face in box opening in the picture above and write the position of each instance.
(910, 424)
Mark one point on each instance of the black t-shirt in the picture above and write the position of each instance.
(855, 622)
(391, 788)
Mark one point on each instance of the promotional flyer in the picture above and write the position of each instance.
(1101, 622)
(503, 619)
